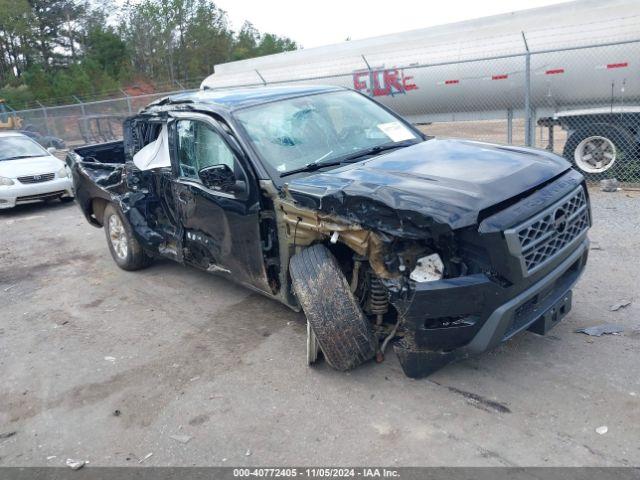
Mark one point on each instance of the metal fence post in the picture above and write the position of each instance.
(46, 117)
(527, 95)
(370, 75)
(510, 126)
(84, 114)
(128, 101)
(264, 82)
(532, 125)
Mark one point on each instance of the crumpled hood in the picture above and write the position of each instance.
(30, 166)
(449, 181)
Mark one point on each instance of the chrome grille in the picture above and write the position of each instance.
(540, 238)
(45, 177)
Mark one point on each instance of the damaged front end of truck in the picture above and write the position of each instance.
(443, 280)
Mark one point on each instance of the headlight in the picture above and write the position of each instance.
(428, 269)
(6, 181)
(62, 173)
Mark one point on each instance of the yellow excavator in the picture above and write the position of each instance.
(8, 118)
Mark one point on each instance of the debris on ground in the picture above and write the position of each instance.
(75, 464)
(621, 304)
(609, 185)
(602, 430)
(604, 329)
(110, 359)
(117, 413)
(51, 457)
(146, 457)
(7, 434)
(181, 438)
(248, 453)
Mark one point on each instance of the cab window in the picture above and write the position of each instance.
(199, 146)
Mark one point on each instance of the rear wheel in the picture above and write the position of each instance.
(334, 316)
(125, 249)
(599, 151)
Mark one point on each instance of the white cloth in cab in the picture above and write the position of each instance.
(154, 154)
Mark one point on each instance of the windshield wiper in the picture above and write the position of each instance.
(378, 149)
(310, 167)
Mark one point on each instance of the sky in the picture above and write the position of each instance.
(313, 23)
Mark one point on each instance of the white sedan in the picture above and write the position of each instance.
(29, 173)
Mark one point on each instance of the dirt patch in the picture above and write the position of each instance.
(199, 420)
(479, 401)
(94, 303)
(19, 273)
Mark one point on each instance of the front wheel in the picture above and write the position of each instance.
(599, 151)
(125, 249)
(336, 322)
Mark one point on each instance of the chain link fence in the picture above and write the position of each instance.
(85, 122)
(581, 102)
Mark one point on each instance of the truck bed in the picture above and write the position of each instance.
(97, 171)
(99, 162)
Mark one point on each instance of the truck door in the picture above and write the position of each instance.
(217, 201)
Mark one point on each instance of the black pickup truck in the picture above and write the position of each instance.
(327, 201)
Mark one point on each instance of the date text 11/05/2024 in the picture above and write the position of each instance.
(370, 472)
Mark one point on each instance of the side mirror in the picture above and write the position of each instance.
(218, 177)
(51, 150)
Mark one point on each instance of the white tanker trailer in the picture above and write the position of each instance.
(578, 63)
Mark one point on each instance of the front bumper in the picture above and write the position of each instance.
(19, 193)
(478, 314)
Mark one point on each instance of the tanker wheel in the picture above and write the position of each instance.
(334, 316)
(599, 151)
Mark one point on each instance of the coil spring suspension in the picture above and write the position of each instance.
(378, 298)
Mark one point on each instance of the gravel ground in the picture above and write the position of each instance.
(104, 365)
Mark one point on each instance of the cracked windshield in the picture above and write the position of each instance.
(321, 128)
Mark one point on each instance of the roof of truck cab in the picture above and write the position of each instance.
(233, 99)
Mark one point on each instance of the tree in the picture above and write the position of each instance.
(208, 40)
(250, 43)
(52, 19)
(107, 49)
(52, 50)
(15, 50)
(270, 43)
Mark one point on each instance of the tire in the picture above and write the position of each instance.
(341, 329)
(125, 250)
(599, 151)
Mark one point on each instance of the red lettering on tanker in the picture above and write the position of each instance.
(383, 82)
